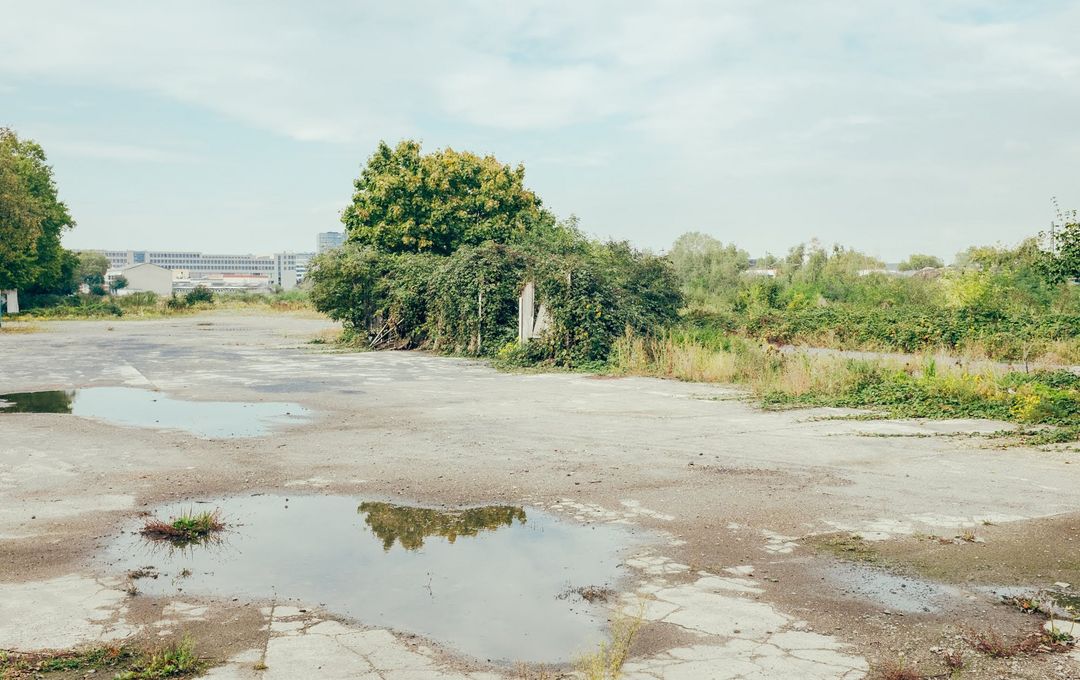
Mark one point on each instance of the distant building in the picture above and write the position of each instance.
(280, 269)
(329, 239)
(143, 278)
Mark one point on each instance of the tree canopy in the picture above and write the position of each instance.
(406, 201)
(32, 219)
(92, 267)
(918, 261)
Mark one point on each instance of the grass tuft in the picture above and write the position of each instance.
(172, 661)
(189, 527)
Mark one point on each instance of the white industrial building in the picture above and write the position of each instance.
(280, 270)
(143, 278)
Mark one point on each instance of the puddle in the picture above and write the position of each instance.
(146, 408)
(485, 581)
(892, 591)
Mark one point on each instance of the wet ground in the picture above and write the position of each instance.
(726, 505)
(494, 582)
(148, 408)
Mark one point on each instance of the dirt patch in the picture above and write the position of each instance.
(1031, 553)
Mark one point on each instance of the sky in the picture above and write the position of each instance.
(891, 127)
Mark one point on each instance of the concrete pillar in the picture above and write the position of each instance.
(526, 305)
(12, 298)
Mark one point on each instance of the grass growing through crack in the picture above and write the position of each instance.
(173, 661)
(606, 662)
(187, 528)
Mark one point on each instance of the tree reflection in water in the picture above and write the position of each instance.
(410, 525)
(51, 401)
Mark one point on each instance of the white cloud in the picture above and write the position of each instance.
(824, 99)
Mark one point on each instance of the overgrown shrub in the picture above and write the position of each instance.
(473, 304)
(199, 294)
(467, 302)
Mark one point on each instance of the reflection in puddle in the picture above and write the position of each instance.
(50, 401)
(484, 581)
(410, 525)
(146, 408)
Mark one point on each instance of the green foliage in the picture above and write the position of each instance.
(474, 293)
(595, 295)
(32, 220)
(441, 245)
(91, 268)
(345, 284)
(173, 661)
(918, 261)
(706, 267)
(406, 201)
(199, 294)
(118, 283)
(1065, 261)
(998, 302)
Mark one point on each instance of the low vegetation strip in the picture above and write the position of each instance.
(145, 305)
(1049, 399)
(124, 662)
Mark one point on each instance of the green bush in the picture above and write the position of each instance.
(199, 294)
(473, 304)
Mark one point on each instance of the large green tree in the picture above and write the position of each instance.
(406, 201)
(92, 268)
(32, 219)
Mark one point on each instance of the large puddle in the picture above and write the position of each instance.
(494, 582)
(146, 408)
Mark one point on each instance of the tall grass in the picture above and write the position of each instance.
(920, 388)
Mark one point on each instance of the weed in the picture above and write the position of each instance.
(607, 661)
(187, 528)
(953, 660)
(967, 536)
(1024, 604)
(849, 546)
(896, 670)
(992, 644)
(175, 660)
(259, 666)
(19, 665)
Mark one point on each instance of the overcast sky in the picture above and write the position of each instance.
(900, 126)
